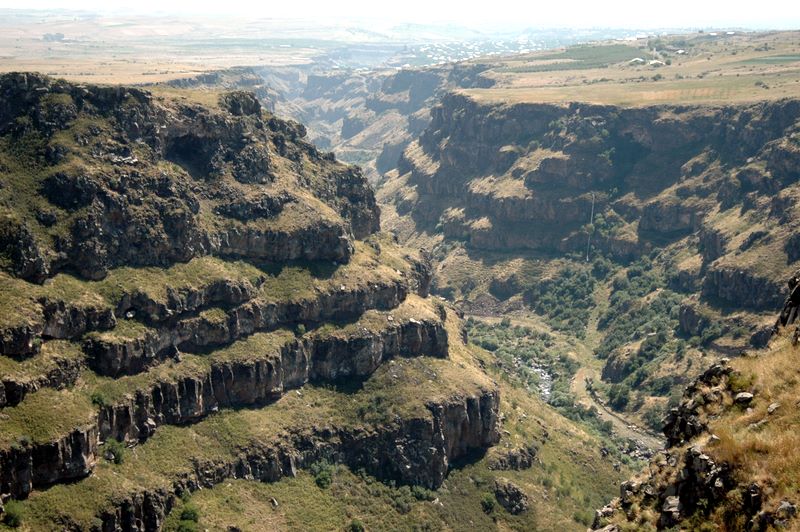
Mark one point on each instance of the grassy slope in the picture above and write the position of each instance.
(568, 478)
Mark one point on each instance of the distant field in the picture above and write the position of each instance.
(128, 51)
(773, 60)
(691, 69)
(715, 90)
(578, 58)
(694, 68)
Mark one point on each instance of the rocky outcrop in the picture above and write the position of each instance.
(24, 466)
(130, 211)
(415, 451)
(64, 372)
(62, 320)
(125, 356)
(266, 376)
(742, 287)
(515, 459)
(510, 496)
(691, 320)
(53, 318)
(184, 300)
(322, 241)
(791, 307)
(21, 340)
(689, 419)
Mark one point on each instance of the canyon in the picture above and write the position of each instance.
(491, 316)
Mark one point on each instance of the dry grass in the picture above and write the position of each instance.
(714, 71)
(765, 453)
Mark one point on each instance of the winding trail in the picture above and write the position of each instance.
(590, 370)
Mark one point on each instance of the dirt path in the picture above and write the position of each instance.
(622, 427)
(583, 352)
(590, 372)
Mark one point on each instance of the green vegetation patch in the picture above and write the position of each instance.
(45, 416)
(771, 60)
(566, 298)
(581, 58)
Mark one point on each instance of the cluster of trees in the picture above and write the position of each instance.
(566, 299)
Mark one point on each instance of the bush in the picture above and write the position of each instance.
(187, 526)
(12, 515)
(115, 451)
(488, 503)
(653, 418)
(301, 329)
(422, 494)
(98, 399)
(402, 499)
(323, 474)
(190, 512)
(490, 344)
(618, 396)
(601, 267)
(355, 526)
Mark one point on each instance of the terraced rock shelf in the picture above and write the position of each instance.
(194, 293)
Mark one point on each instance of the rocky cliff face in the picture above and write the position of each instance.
(130, 206)
(168, 265)
(368, 117)
(545, 164)
(552, 178)
(419, 452)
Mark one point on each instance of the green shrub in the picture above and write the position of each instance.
(13, 514)
(355, 526)
(619, 396)
(190, 512)
(323, 474)
(422, 494)
(711, 333)
(115, 451)
(488, 503)
(98, 399)
(402, 499)
(653, 418)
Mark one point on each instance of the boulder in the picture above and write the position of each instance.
(510, 496)
(743, 398)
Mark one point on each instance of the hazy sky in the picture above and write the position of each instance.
(782, 14)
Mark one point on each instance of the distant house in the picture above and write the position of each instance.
(636, 61)
(656, 63)
(681, 52)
